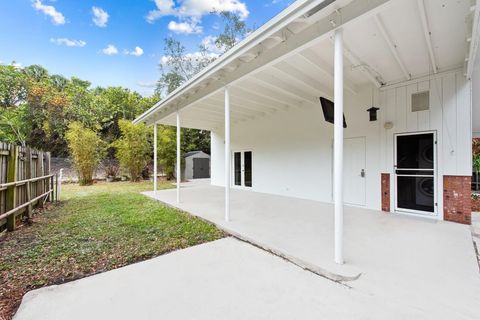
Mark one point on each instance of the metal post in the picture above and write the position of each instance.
(179, 171)
(338, 146)
(155, 173)
(227, 155)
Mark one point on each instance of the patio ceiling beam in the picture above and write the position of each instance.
(312, 83)
(312, 59)
(376, 79)
(193, 120)
(211, 114)
(427, 34)
(392, 46)
(202, 116)
(273, 94)
(240, 113)
(253, 96)
(246, 111)
(474, 39)
(275, 83)
(314, 33)
(237, 105)
(250, 103)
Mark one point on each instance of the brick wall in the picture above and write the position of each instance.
(386, 192)
(457, 204)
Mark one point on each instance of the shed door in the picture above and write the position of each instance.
(354, 171)
(201, 168)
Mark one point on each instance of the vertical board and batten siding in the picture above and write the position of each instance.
(449, 116)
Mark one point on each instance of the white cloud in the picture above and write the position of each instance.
(147, 84)
(110, 50)
(185, 27)
(68, 42)
(57, 17)
(137, 52)
(192, 56)
(195, 9)
(100, 17)
(209, 44)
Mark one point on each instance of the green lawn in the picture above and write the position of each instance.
(95, 229)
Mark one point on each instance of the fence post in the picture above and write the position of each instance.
(49, 180)
(41, 173)
(28, 175)
(56, 187)
(59, 184)
(11, 196)
(50, 195)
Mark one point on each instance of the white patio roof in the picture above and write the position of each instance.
(288, 62)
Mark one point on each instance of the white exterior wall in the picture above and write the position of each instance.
(292, 151)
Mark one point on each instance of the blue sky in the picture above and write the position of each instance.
(72, 37)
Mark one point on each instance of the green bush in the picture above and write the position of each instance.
(133, 148)
(86, 149)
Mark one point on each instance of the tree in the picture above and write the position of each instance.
(234, 30)
(179, 66)
(13, 128)
(133, 148)
(12, 86)
(167, 149)
(86, 149)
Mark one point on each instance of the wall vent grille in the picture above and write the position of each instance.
(421, 101)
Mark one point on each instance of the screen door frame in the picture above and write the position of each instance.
(434, 175)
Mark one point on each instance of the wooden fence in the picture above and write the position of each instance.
(25, 183)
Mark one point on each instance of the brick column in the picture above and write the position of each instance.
(457, 203)
(386, 192)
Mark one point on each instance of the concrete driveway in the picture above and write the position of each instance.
(224, 279)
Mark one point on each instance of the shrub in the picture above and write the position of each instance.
(111, 168)
(133, 148)
(86, 150)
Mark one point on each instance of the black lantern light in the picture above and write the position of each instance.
(372, 112)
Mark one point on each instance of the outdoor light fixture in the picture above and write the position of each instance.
(373, 113)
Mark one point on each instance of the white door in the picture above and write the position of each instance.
(354, 171)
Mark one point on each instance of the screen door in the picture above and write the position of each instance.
(415, 173)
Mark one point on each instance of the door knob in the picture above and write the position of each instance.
(362, 173)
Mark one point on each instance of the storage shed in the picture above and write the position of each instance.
(197, 165)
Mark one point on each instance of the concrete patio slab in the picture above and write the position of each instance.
(407, 259)
(224, 279)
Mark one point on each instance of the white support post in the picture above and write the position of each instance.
(155, 173)
(227, 155)
(338, 146)
(179, 169)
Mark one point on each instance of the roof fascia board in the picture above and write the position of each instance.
(269, 28)
(316, 32)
